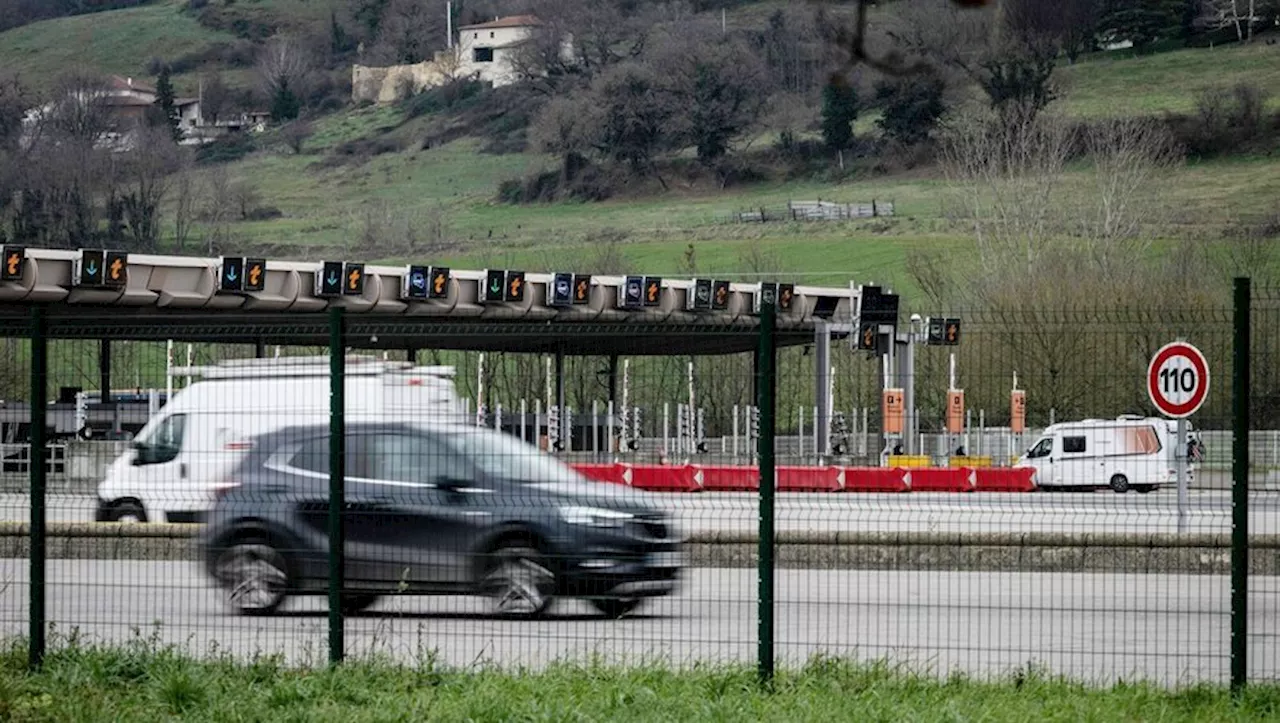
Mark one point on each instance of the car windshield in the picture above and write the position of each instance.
(507, 457)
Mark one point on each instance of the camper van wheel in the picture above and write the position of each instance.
(127, 512)
(1120, 484)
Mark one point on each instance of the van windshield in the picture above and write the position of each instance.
(1042, 448)
(506, 457)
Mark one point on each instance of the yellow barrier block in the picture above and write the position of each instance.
(906, 461)
(972, 462)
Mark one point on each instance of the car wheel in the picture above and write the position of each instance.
(1144, 489)
(358, 602)
(1120, 484)
(519, 582)
(254, 577)
(615, 607)
(127, 512)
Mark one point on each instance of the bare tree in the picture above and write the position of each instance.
(215, 97)
(285, 61)
(79, 108)
(581, 38)
(296, 133)
(409, 32)
(186, 192)
(146, 173)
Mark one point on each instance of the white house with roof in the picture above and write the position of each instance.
(484, 52)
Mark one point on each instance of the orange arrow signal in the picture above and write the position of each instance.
(653, 292)
(353, 278)
(438, 282)
(868, 337)
(12, 262)
(116, 266)
(254, 272)
(515, 286)
(582, 289)
(720, 292)
(951, 333)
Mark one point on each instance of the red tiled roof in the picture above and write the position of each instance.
(511, 21)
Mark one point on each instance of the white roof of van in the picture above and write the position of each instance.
(310, 366)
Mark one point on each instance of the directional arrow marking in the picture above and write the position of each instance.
(333, 279)
(496, 286)
(116, 266)
(13, 263)
(439, 283)
(353, 278)
(515, 286)
(254, 272)
(231, 274)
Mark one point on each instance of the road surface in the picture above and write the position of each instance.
(1093, 627)
(1208, 511)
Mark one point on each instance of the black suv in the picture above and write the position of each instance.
(433, 510)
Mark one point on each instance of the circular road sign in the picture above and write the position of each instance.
(1178, 379)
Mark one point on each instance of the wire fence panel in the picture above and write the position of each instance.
(1263, 660)
(988, 492)
(940, 556)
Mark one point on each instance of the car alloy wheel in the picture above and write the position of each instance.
(519, 583)
(254, 577)
(615, 607)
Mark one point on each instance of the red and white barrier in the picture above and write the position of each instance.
(741, 478)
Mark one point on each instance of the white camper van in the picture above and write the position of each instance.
(173, 469)
(1130, 452)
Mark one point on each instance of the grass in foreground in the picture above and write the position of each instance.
(140, 682)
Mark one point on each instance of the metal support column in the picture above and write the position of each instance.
(613, 380)
(766, 382)
(36, 471)
(337, 482)
(905, 362)
(822, 392)
(104, 371)
(563, 419)
(411, 356)
(260, 349)
(1240, 391)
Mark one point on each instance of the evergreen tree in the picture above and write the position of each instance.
(168, 104)
(285, 105)
(839, 111)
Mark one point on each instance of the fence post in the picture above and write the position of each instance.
(337, 482)
(766, 387)
(1240, 487)
(36, 471)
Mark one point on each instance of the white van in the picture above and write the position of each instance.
(177, 462)
(1130, 452)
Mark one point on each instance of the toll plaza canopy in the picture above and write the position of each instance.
(101, 294)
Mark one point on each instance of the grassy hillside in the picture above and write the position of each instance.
(123, 41)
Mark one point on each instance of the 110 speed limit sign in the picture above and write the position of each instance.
(1178, 379)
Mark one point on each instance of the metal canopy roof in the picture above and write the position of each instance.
(176, 297)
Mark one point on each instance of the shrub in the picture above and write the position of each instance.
(1227, 120)
(226, 149)
(911, 109)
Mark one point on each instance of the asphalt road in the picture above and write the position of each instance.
(1207, 511)
(1093, 627)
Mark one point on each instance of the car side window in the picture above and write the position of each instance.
(165, 441)
(313, 456)
(416, 459)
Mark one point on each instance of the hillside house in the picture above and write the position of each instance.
(484, 52)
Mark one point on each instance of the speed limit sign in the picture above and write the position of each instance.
(1178, 380)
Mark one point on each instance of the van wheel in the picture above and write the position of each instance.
(254, 576)
(1120, 484)
(127, 512)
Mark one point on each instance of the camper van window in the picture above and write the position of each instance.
(1073, 445)
(164, 443)
(1042, 448)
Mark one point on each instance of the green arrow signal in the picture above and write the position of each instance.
(496, 286)
(333, 280)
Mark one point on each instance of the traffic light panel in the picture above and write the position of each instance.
(329, 279)
(581, 288)
(561, 290)
(631, 295)
(515, 286)
(116, 269)
(786, 292)
(353, 280)
(255, 274)
(937, 331)
(439, 283)
(719, 295)
(699, 298)
(495, 285)
(951, 333)
(652, 290)
(867, 333)
(232, 276)
(415, 282)
(89, 268)
(15, 258)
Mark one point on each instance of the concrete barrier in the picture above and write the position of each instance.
(1162, 553)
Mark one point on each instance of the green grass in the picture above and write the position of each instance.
(139, 683)
(1115, 84)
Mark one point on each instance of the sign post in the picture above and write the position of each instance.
(1178, 383)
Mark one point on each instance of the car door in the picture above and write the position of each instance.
(434, 502)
